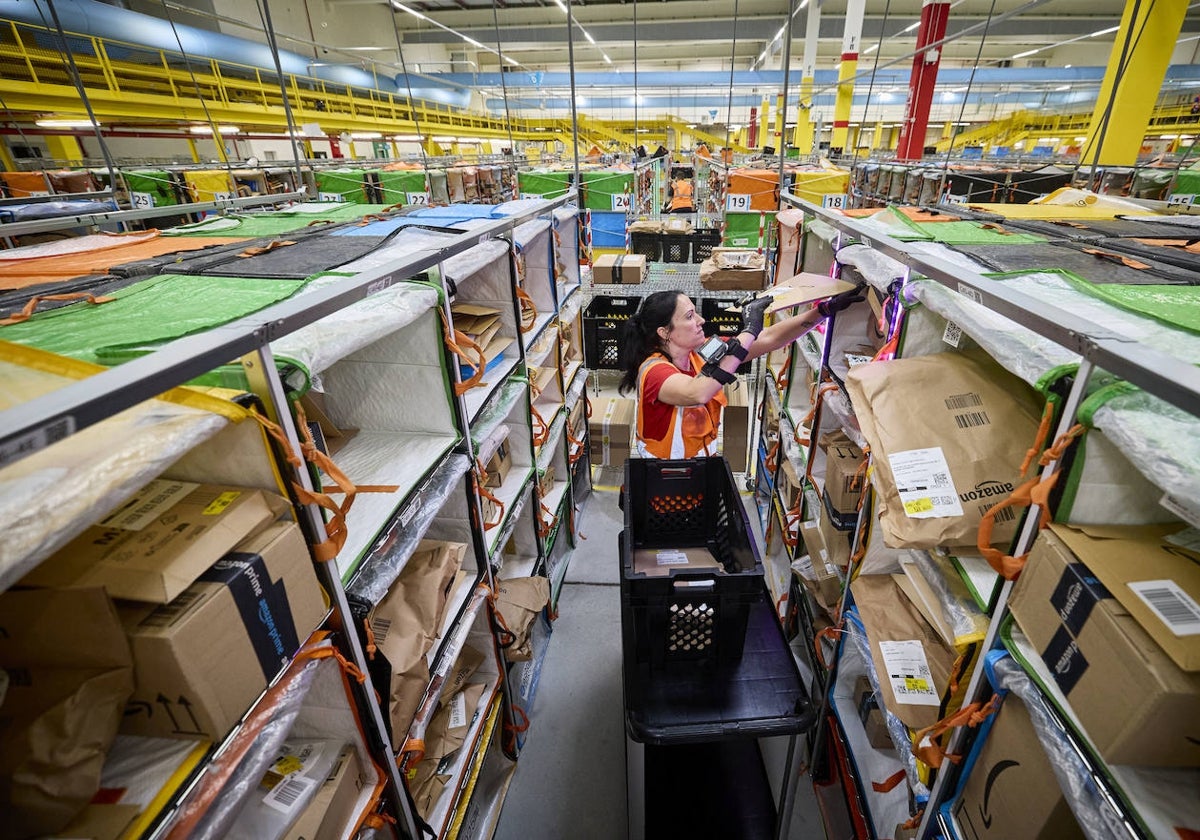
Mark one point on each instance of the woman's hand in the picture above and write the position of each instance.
(753, 314)
(845, 300)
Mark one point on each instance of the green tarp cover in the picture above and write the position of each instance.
(156, 182)
(147, 314)
(1187, 182)
(1175, 306)
(348, 183)
(600, 186)
(544, 183)
(973, 233)
(396, 186)
(273, 223)
(741, 229)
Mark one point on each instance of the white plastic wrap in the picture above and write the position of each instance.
(489, 254)
(75, 245)
(398, 542)
(51, 496)
(570, 310)
(400, 247)
(1092, 810)
(575, 391)
(525, 233)
(497, 411)
(821, 229)
(517, 206)
(877, 268)
(1162, 441)
(320, 345)
(1019, 350)
(961, 614)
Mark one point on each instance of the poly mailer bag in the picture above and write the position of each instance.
(59, 715)
(948, 434)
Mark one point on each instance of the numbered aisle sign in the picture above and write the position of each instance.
(325, 196)
(142, 201)
(531, 195)
(737, 202)
(1185, 199)
(417, 197)
(834, 201)
(620, 202)
(223, 196)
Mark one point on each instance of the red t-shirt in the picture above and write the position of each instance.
(656, 416)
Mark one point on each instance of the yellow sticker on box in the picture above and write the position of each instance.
(218, 505)
(918, 505)
(916, 684)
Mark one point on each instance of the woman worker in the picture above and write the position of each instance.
(679, 374)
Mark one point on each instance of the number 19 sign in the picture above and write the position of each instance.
(737, 202)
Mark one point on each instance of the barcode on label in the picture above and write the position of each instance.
(31, 442)
(380, 627)
(952, 334)
(1178, 610)
(972, 419)
(288, 794)
(1003, 515)
(168, 614)
(967, 292)
(957, 401)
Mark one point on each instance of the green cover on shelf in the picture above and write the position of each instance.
(1175, 306)
(741, 230)
(599, 187)
(1187, 182)
(545, 183)
(396, 185)
(273, 223)
(145, 315)
(973, 233)
(348, 183)
(156, 182)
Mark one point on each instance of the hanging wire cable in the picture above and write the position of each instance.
(264, 12)
(787, 66)
(412, 105)
(732, 63)
(871, 85)
(77, 80)
(217, 139)
(967, 94)
(635, 76)
(512, 147)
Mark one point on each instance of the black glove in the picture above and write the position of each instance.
(753, 314)
(837, 303)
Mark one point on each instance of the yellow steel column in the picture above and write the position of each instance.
(877, 141)
(855, 9)
(764, 120)
(194, 150)
(6, 157)
(64, 147)
(1135, 73)
(777, 138)
(947, 130)
(804, 119)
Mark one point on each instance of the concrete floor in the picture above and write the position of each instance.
(570, 778)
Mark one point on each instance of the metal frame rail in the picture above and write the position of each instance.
(1171, 379)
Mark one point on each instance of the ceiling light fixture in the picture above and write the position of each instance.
(365, 135)
(910, 27)
(1027, 53)
(403, 8)
(80, 123)
(207, 129)
(870, 49)
(1104, 31)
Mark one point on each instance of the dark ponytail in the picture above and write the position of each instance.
(639, 337)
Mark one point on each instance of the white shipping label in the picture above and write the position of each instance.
(151, 502)
(967, 292)
(1188, 538)
(923, 481)
(670, 557)
(1181, 508)
(1174, 607)
(953, 334)
(458, 711)
(290, 795)
(908, 673)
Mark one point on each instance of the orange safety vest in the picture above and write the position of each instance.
(681, 196)
(693, 428)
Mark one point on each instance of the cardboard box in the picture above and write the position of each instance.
(658, 562)
(1157, 580)
(646, 226)
(803, 289)
(201, 660)
(736, 427)
(1137, 706)
(837, 542)
(791, 488)
(1011, 790)
(576, 417)
(730, 270)
(546, 481)
(827, 587)
(612, 269)
(835, 438)
(498, 465)
(327, 436)
(154, 546)
(332, 809)
(611, 430)
(875, 726)
(843, 481)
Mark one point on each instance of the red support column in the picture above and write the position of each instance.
(934, 14)
(752, 129)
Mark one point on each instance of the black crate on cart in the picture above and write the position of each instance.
(703, 242)
(676, 247)
(686, 614)
(646, 243)
(603, 322)
(718, 320)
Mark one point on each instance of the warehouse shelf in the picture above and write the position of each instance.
(516, 504)
(478, 810)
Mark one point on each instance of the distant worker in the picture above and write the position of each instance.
(727, 156)
(679, 196)
(703, 153)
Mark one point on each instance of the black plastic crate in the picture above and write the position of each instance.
(646, 243)
(676, 247)
(603, 322)
(689, 613)
(703, 242)
(718, 320)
